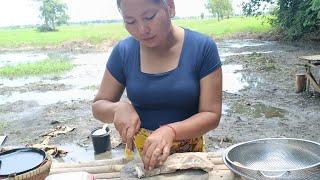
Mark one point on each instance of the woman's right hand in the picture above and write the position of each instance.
(127, 122)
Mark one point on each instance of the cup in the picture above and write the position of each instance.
(101, 139)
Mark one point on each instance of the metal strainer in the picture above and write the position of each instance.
(275, 158)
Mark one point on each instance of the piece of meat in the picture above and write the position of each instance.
(180, 161)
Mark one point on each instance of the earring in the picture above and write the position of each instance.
(171, 15)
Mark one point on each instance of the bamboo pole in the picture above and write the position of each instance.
(107, 175)
(90, 164)
(217, 161)
(92, 170)
(221, 175)
(221, 167)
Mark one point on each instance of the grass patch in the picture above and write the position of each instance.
(92, 87)
(261, 62)
(97, 33)
(230, 26)
(44, 67)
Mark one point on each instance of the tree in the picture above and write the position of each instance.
(220, 8)
(293, 18)
(53, 12)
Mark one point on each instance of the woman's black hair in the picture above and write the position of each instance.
(155, 1)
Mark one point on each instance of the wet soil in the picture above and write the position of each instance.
(266, 107)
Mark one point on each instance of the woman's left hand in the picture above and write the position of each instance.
(156, 148)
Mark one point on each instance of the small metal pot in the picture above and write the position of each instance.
(275, 158)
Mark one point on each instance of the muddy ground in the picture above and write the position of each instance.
(267, 107)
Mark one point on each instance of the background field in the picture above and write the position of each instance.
(97, 33)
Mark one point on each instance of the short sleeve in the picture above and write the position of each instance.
(115, 65)
(210, 59)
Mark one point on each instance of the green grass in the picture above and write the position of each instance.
(44, 67)
(96, 33)
(230, 26)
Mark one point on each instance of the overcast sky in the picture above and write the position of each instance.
(25, 12)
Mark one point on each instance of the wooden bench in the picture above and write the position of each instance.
(311, 62)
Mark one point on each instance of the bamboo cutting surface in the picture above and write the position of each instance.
(110, 169)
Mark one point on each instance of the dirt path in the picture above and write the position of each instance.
(266, 107)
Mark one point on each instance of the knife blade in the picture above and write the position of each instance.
(3, 139)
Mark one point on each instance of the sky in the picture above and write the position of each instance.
(26, 12)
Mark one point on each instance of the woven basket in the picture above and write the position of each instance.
(39, 173)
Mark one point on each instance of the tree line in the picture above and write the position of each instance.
(293, 18)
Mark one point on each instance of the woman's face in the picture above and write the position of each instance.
(146, 21)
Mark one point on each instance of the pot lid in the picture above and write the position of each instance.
(19, 161)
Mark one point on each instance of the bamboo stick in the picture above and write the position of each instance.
(91, 163)
(107, 175)
(92, 170)
(217, 161)
(221, 167)
(221, 175)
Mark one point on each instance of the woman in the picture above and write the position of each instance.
(173, 79)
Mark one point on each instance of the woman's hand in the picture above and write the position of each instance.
(156, 148)
(127, 122)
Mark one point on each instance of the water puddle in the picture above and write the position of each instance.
(233, 81)
(258, 110)
(18, 58)
(77, 153)
(226, 54)
(241, 43)
(84, 79)
(231, 47)
(49, 97)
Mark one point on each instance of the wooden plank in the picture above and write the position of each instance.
(313, 82)
(313, 65)
(310, 58)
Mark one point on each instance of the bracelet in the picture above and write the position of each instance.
(174, 131)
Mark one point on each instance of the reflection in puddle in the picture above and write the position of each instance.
(226, 54)
(232, 81)
(241, 43)
(18, 58)
(84, 154)
(225, 109)
(257, 110)
(49, 97)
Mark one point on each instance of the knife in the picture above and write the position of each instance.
(3, 140)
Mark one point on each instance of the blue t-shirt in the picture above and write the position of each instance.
(170, 96)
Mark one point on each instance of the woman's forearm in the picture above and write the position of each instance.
(104, 110)
(196, 125)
